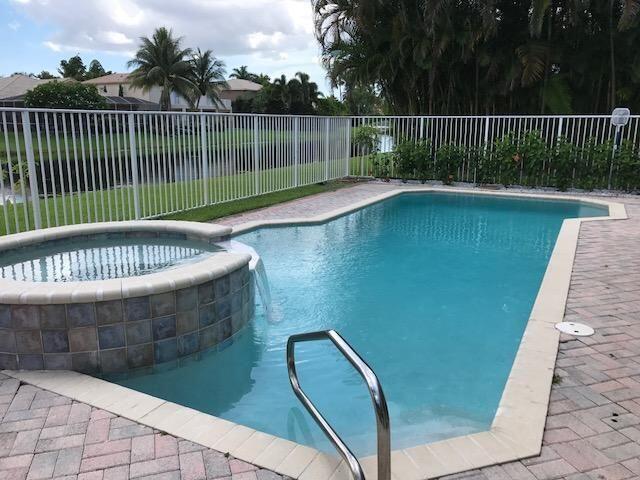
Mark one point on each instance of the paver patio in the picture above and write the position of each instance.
(593, 424)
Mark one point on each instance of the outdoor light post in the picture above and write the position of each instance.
(619, 118)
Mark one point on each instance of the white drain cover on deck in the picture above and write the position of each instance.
(572, 328)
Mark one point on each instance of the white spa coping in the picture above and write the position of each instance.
(48, 293)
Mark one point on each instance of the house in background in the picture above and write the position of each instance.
(237, 87)
(119, 85)
(13, 88)
(120, 95)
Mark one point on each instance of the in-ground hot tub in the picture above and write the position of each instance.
(112, 297)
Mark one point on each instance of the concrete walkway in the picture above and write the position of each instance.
(593, 425)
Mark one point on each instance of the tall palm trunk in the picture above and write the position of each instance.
(547, 64)
(165, 98)
(612, 56)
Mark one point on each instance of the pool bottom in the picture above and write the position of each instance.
(414, 257)
(516, 430)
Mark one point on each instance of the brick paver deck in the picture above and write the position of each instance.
(44, 435)
(593, 424)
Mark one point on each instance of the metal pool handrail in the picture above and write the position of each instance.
(377, 397)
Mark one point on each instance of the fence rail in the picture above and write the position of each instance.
(61, 167)
(482, 134)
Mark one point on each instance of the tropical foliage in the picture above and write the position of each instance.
(298, 95)
(207, 75)
(524, 160)
(75, 69)
(493, 56)
(162, 61)
(56, 94)
(243, 73)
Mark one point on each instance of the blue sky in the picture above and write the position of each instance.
(269, 36)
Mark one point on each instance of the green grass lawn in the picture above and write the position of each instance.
(166, 199)
(164, 140)
(212, 212)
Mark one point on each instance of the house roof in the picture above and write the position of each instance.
(239, 84)
(129, 101)
(236, 84)
(18, 85)
(110, 79)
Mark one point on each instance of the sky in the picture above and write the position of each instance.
(269, 36)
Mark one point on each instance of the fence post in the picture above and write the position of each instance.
(31, 169)
(326, 149)
(486, 132)
(347, 163)
(296, 151)
(204, 157)
(613, 154)
(558, 135)
(134, 165)
(256, 155)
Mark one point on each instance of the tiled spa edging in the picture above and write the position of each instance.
(130, 323)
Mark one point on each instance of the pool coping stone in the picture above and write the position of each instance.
(516, 431)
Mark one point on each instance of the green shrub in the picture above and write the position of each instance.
(593, 165)
(520, 158)
(626, 168)
(562, 163)
(449, 159)
(423, 160)
(68, 94)
(480, 165)
(506, 159)
(404, 159)
(367, 138)
(381, 163)
(534, 156)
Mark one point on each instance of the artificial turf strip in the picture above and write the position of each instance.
(211, 212)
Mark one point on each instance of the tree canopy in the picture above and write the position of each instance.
(491, 56)
(162, 61)
(207, 76)
(56, 94)
(298, 96)
(243, 73)
(76, 69)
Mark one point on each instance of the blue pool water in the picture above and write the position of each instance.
(433, 290)
(77, 260)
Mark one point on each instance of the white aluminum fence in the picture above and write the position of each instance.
(481, 133)
(63, 167)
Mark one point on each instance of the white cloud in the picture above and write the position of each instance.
(52, 46)
(227, 27)
(15, 26)
(270, 36)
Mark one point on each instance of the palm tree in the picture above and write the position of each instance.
(304, 94)
(161, 61)
(494, 56)
(281, 98)
(241, 73)
(207, 75)
(261, 78)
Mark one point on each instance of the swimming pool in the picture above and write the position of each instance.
(433, 290)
